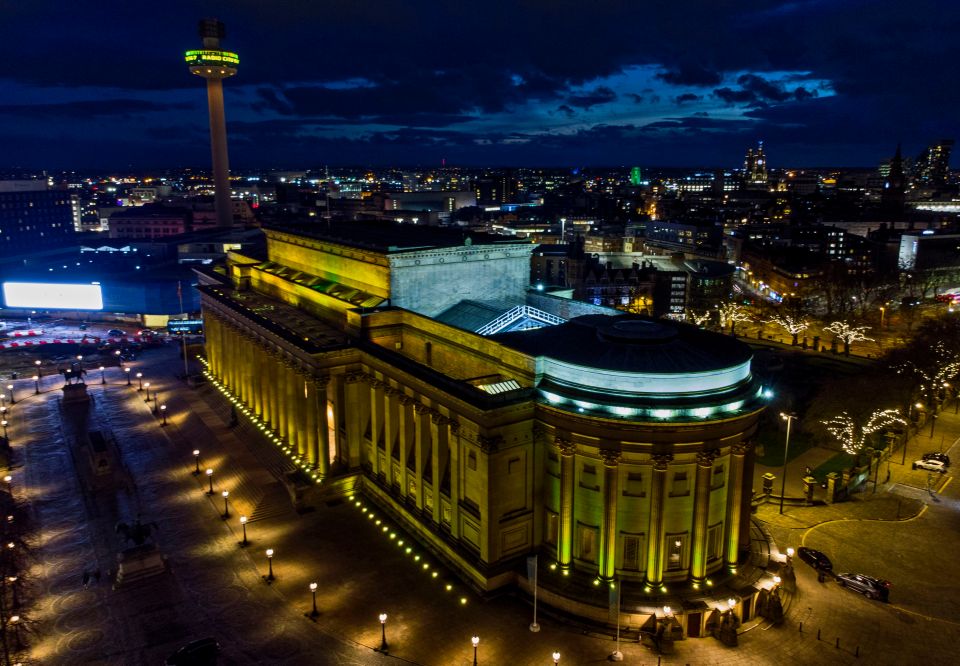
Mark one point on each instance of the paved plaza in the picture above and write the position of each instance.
(904, 532)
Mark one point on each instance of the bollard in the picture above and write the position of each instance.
(838, 643)
(801, 627)
(818, 634)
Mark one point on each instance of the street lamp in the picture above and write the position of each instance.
(156, 402)
(556, 658)
(196, 462)
(882, 311)
(38, 363)
(119, 358)
(5, 423)
(9, 481)
(313, 591)
(383, 632)
(163, 413)
(269, 576)
(146, 385)
(476, 641)
(243, 524)
(103, 379)
(127, 372)
(140, 381)
(13, 400)
(36, 384)
(226, 508)
(786, 451)
(210, 479)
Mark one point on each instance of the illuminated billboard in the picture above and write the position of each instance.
(47, 296)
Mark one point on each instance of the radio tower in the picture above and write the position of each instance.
(215, 65)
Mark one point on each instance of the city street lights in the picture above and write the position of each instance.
(36, 384)
(5, 423)
(13, 400)
(269, 576)
(140, 381)
(39, 363)
(156, 403)
(243, 524)
(313, 591)
(103, 379)
(119, 358)
(226, 508)
(163, 413)
(786, 452)
(476, 641)
(146, 385)
(383, 632)
(196, 462)
(127, 372)
(556, 658)
(9, 481)
(210, 479)
(882, 312)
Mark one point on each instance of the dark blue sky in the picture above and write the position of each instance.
(505, 82)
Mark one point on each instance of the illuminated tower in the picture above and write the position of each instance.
(215, 65)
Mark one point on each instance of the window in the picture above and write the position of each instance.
(588, 477)
(472, 461)
(718, 477)
(676, 544)
(553, 528)
(632, 550)
(714, 537)
(587, 538)
(680, 486)
(634, 486)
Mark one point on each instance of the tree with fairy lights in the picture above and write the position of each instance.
(855, 436)
(848, 334)
(794, 325)
(731, 313)
(698, 318)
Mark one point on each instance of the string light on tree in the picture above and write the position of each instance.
(848, 334)
(853, 436)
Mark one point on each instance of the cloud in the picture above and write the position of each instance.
(689, 74)
(597, 96)
(566, 110)
(687, 97)
(90, 108)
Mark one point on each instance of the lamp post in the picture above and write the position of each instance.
(196, 462)
(243, 524)
(226, 508)
(9, 481)
(13, 399)
(39, 363)
(313, 591)
(36, 384)
(210, 479)
(882, 311)
(103, 379)
(140, 381)
(5, 423)
(163, 413)
(13, 588)
(146, 385)
(933, 420)
(476, 641)
(269, 576)
(156, 402)
(556, 658)
(119, 358)
(786, 452)
(383, 632)
(15, 625)
(127, 372)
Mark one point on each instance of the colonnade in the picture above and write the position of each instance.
(285, 392)
(655, 556)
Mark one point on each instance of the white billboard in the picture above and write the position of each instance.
(47, 296)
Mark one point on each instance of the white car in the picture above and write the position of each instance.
(930, 465)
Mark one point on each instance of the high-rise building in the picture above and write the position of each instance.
(33, 218)
(933, 165)
(755, 166)
(214, 65)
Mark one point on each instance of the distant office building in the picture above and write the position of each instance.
(755, 166)
(33, 218)
(441, 202)
(894, 185)
(932, 168)
(496, 188)
(699, 239)
(149, 221)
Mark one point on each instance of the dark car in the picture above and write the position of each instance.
(815, 559)
(202, 652)
(868, 586)
(936, 455)
(115, 333)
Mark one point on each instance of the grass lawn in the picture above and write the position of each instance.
(837, 463)
(773, 443)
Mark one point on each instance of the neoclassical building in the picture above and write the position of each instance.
(615, 446)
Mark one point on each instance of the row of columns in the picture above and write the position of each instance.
(655, 529)
(275, 385)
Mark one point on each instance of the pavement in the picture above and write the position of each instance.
(364, 565)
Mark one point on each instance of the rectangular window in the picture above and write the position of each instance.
(680, 485)
(634, 485)
(472, 461)
(587, 539)
(714, 536)
(588, 477)
(718, 477)
(632, 552)
(676, 545)
(553, 528)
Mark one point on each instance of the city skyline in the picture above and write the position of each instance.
(544, 84)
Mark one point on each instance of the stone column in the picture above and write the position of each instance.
(302, 406)
(322, 460)
(453, 437)
(658, 491)
(376, 425)
(567, 482)
(273, 379)
(310, 420)
(211, 324)
(405, 423)
(441, 453)
(701, 514)
(354, 410)
(608, 531)
(390, 429)
(734, 502)
(422, 439)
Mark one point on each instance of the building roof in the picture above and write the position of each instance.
(388, 237)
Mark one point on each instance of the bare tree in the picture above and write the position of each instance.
(731, 313)
(853, 435)
(848, 334)
(791, 324)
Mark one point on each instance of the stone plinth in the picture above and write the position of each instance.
(138, 563)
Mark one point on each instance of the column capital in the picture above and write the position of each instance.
(741, 448)
(611, 457)
(489, 444)
(406, 399)
(706, 458)
(355, 376)
(661, 461)
(320, 381)
(567, 448)
(421, 408)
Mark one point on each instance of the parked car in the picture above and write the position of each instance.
(868, 586)
(936, 455)
(930, 465)
(202, 652)
(815, 559)
(115, 333)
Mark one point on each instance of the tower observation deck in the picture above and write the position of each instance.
(215, 64)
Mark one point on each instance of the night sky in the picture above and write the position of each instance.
(507, 82)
